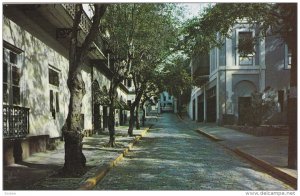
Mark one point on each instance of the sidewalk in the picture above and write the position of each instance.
(267, 152)
(37, 171)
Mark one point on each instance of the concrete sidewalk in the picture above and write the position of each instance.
(38, 171)
(267, 152)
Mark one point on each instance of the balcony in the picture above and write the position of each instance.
(52, 23)
(15, 121)
(85, 25)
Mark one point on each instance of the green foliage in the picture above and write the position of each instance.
(176, 77)
(262, 106)
(142, 35)
(200, 34)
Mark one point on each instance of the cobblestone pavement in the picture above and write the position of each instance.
(37, 172)
(173, 157)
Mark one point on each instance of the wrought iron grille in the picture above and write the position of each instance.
(85, 22)
(15, 121)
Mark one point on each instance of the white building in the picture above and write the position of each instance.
(166, 102)
(227, 79)
(35, 71)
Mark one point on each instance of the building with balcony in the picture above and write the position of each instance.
(35, 71)
(226, 78)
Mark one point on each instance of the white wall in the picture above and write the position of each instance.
(34, 80)
(34, 84)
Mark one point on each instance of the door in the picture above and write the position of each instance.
(211, 109)
(105, 117)
(244, 104)
(121, 118)
(97, 117)
(194, 109)
(200, 112)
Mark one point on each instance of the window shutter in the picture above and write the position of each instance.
(57, 101)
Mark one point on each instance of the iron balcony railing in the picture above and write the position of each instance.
(85, 23)
(15, 121)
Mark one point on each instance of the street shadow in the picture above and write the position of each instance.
(169, 160)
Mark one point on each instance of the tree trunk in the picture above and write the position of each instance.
(292, 112)
(111, 116)
(144, 115)
(131, 121)
(74, 158)
(137, 117)
(133, 106)
(111, 125)
(179, 106)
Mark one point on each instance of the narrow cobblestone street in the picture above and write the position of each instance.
(174, 157)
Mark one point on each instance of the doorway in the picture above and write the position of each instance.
(105, 118)
(97, 117)
(244, 104)
(211, 109)
(194, 109)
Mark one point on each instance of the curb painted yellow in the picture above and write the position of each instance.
(101, 173)
(275, 172)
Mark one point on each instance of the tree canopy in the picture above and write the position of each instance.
(276, 19)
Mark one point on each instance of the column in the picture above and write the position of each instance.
(205, 103)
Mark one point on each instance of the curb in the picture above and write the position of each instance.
(212, 137)
(102, 171)
(273, 171)
(180, 118)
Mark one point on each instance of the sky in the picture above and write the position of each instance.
(193, 9)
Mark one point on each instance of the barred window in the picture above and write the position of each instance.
(246, 48)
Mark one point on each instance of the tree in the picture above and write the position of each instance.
(272, 19)
(74, 158)
(262, 106)
(177, 70)
(118, 26)
(134, 31)
(143, 81)
(151, 91)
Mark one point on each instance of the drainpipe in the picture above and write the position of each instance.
(204, 103)
(92, 79)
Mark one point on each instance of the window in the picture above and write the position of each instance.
(54, 90)
(281, 99)
(11, 76)
(288, 58)
(213, 60)
(246, 48)
(222, 55)
(53, 77)
(129, 83)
